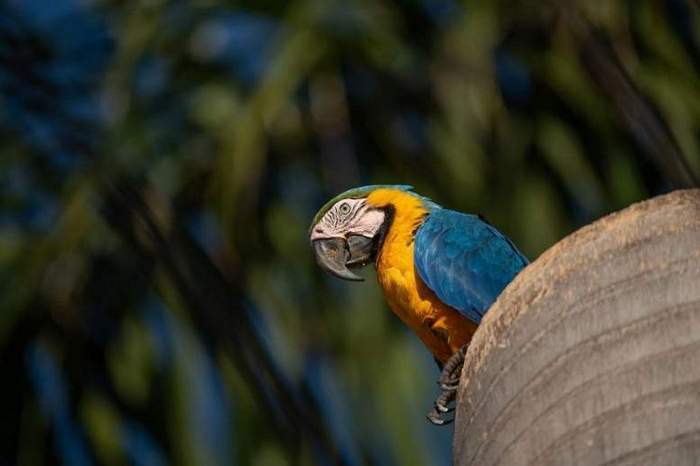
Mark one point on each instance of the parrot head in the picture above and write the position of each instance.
(347, 231)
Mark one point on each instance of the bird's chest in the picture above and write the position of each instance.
(442, 329)
(397, 277)
(400, 290)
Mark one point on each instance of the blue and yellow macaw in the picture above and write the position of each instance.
(440, 270)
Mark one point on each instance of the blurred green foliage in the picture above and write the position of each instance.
(234, 122)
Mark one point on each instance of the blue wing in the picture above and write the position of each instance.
(465, 261)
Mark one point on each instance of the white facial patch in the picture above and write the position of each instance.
(348, 217)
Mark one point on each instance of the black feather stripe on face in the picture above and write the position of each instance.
(389, 213)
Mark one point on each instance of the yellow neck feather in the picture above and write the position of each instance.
(408, 213)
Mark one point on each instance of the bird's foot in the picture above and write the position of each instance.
(448, 382)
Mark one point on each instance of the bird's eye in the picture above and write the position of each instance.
(344, 208)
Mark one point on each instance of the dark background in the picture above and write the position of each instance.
(160, 163)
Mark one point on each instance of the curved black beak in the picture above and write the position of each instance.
(335, 255)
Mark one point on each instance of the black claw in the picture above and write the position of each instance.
(442, 409)
(436, 418)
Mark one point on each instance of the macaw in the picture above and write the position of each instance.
(440, 270)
